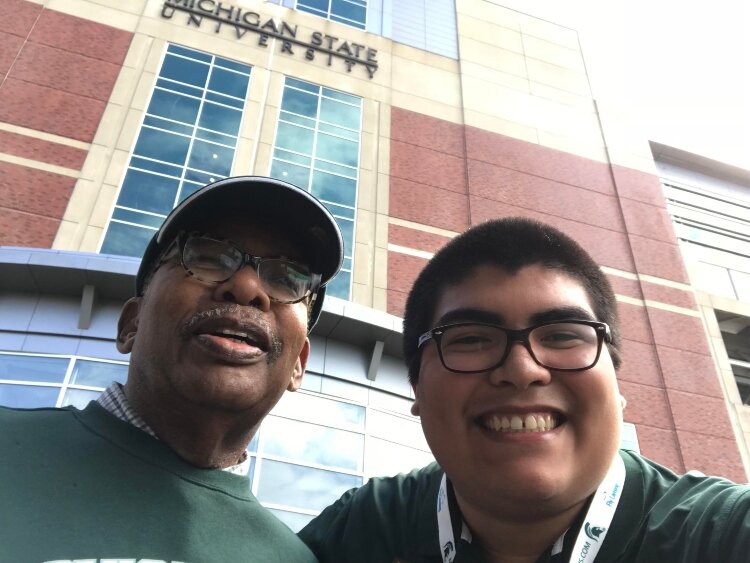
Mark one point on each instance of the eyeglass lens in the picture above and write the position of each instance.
(560, 345)
(216, 261)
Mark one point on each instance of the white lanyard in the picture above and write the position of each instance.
(591, 535)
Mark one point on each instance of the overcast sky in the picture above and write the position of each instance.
(680, 70)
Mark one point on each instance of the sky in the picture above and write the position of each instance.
(679, 71)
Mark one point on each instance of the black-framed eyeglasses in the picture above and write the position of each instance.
(571, 345)
(213, 260)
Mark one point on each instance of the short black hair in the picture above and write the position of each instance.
(510, 243)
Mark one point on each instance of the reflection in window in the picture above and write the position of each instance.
(187, 139)
(28, 396)
(350, 12)
(317, 148)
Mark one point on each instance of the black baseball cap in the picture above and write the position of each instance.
(269, 201)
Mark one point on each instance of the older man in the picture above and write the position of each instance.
(157, 470)
(512, 341)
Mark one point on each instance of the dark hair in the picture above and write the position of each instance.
(510, 243)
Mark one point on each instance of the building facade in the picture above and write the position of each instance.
(411, 124)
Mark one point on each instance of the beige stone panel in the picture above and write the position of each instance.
(384, 120)
(588, 148)
(488, 11)
(438, 85)
(129, 130)
(155, 56)
(476, 70)
(370, 116)
(731, 392)
(363, 255)
(503, 126)
(116, 169)
(114, 17)
(105, 203)
(744, 416)
(553, 53)
(562, 96)
(427, 106)
(91, 240)
(125, 86)
(499, 101)
(138, 52)
(244, 157)
(381, 230)
(365, 228)
(633, 160)
(496, 58)
(143, 91)
(562, 119)
(549, 31)
(380, 299)
(362, 294)
(489, 32)
(269, 125)
(368, 151)
(68, 236)
(81, 202)
(262, 165)
(109, 125)
(562, 78)
(380, 279)
(382, 195)
(95, 166)
(384, 156)
(441, 62)
(366, 191)
(250, 126)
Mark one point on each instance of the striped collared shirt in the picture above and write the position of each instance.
(114, 401)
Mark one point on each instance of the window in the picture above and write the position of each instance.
(187, 139)
(317, 148)
(735, 332)
(350, 12)
(34, 380)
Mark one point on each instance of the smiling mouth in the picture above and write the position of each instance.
(523, 423)
(237, 338)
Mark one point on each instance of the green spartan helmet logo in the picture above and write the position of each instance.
(593, 531)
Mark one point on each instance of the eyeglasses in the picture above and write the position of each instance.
(573, 345)
(215, 261)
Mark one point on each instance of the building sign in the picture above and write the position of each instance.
(317, 44)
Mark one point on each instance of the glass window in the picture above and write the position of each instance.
(302, 487)
(193, 120)
(321, 154)
(386, 458)
(350, 12)
(33, 368)
(97, 374)
(79, 398)
(294, 520)
(314, 444)
(28, 396)
(319, 410)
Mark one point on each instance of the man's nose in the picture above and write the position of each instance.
(244, 287)
(520, 369)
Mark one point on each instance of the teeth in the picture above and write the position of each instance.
(515, 423)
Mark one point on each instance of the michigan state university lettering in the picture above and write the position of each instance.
(241, 21)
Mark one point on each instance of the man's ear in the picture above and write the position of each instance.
(127, 326)
(299, 368)
(415, 404)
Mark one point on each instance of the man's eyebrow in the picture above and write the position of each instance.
(469, 315)
(562, 314)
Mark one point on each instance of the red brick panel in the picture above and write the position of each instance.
(536, 159)
(625, 286)
(44, 151)
(428, 205)
(424, 131)
(688, 371)
(411, 162)
(660, 445)
(46, 109)
(81, 36)
(403, 270)
(608, 248)
(34, 191)
(10, 46)
(640, 364)
(641, 186)
(700, 414)
(678, 331)
(635, 323)
(24, 229)
(659, 259)
(646, 405)
(712, 455)
(396, 302)
(670, 295)
(412, 238)
(19, 17)
(648, 220)
(66, 71)
(545, 196)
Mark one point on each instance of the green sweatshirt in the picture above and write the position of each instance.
(661, 518)
(84, 485)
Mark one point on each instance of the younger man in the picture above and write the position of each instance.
(512, 340)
